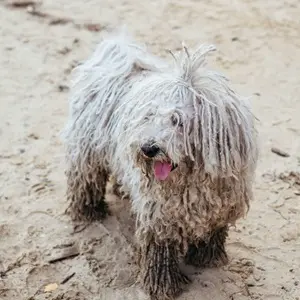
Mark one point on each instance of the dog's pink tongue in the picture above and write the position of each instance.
(162, 170)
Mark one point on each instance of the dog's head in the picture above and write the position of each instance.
(166, 138)
(189, 120)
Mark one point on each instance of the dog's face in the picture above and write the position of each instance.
(164, 134)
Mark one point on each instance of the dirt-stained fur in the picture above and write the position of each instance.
(176, 139)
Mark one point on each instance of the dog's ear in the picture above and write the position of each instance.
(224, 129)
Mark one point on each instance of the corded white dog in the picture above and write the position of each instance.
(178, 141)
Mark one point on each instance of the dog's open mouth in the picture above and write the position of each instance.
(162, 169)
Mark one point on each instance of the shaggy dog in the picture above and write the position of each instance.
(176, 139)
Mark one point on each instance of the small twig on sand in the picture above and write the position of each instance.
(280, 152)
(80, 228)
(21, 3)
(280, 122)
(33, 8)
(65, 245)
(59, 21)
(71, 253)
(280, 213)
(13, 265)
(68, 278)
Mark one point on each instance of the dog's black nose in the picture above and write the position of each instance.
(150, 150)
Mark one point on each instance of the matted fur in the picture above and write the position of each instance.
(123, 97)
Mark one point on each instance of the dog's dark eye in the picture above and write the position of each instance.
(147, 118)
(176, 120)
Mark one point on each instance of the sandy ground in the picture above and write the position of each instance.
(259, 49)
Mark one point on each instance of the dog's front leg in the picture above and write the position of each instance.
(161, 276)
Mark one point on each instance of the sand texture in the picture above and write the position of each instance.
(258, 46)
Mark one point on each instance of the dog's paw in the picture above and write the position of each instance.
(163, 283)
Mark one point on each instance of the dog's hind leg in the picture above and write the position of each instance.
(85, 193)
(210, 253)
